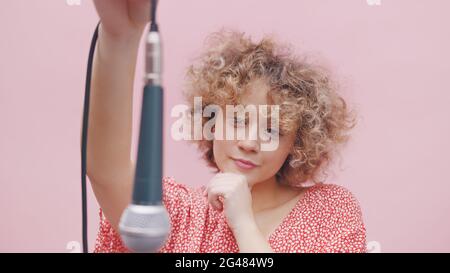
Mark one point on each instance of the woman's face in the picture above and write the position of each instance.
(264, 163)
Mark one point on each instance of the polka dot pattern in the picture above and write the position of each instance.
(327, 219)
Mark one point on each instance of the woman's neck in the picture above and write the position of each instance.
(270, 194)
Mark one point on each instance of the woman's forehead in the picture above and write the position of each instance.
(256, 93)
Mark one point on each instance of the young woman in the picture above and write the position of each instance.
(259, 200)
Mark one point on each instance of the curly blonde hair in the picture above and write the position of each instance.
(310, 107)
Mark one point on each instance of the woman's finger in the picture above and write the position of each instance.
(216, 197)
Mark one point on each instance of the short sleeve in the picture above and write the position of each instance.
(177, 201)
(345, 226)
(176, 198)
(108, 240)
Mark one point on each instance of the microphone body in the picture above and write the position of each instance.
(144, 225)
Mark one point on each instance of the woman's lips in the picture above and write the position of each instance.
(243, 164)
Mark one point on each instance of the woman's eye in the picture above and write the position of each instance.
(273, 132)
(239, 122)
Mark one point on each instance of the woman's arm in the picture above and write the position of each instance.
(109, 166)
(232, 193)
(250, 239)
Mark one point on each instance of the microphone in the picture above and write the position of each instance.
(144, 225)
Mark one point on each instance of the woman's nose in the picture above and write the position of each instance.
(248, 145)
(251, 142)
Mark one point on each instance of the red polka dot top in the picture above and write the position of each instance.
(327, 218)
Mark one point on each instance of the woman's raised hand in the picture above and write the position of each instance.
(120, 18)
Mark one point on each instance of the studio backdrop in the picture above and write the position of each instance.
(390, 58)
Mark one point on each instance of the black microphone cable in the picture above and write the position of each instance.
(84, 138)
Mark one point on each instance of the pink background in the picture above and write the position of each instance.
(392, 61)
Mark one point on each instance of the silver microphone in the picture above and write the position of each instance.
(144, 228)
(144, 225)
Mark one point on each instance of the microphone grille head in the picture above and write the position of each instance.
(144, 228)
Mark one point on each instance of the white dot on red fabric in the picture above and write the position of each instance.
(327, 219)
